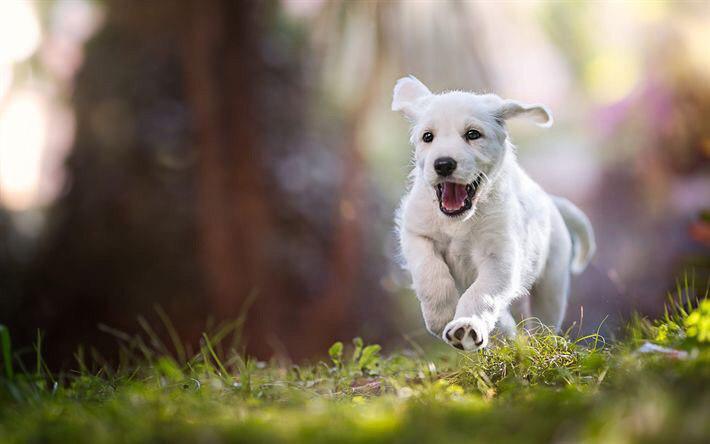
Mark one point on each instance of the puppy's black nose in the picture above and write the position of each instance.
(444, 166)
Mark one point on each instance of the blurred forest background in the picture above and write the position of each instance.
(218, 158)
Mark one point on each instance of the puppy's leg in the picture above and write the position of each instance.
(432, 280)
(506, 324)
(482, 303)
(548, 298)
(520, 308)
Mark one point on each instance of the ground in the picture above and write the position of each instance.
(652, 386)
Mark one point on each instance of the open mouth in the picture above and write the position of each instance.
(457, 198)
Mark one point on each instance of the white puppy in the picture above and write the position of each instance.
(477, 234)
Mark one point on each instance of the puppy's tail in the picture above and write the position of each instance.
(580, 229)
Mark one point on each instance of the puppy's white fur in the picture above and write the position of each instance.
(475, 271)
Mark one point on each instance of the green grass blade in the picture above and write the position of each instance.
(6, 351)
(155, 340)
(172, 332)
(38, 354)
(216, 359)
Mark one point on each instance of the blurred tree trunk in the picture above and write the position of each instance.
(332, 315)
(186, 115)
(235, 230)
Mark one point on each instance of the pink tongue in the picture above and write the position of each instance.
(453, 196)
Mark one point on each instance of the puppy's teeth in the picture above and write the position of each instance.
(469, 188)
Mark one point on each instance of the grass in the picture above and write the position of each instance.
(539, 387)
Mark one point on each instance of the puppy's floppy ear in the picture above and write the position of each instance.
(407, 92)
(537, 113)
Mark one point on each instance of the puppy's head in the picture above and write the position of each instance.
(459, 139)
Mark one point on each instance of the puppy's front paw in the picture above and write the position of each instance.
(466, 334)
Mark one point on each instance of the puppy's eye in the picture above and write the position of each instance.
(473, 134)
(427, 137)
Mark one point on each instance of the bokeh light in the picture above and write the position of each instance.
(22, 139)
(19, 31)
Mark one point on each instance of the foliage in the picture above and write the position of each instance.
(539, 387)
(697, 324)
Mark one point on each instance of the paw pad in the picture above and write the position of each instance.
(463, 335)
